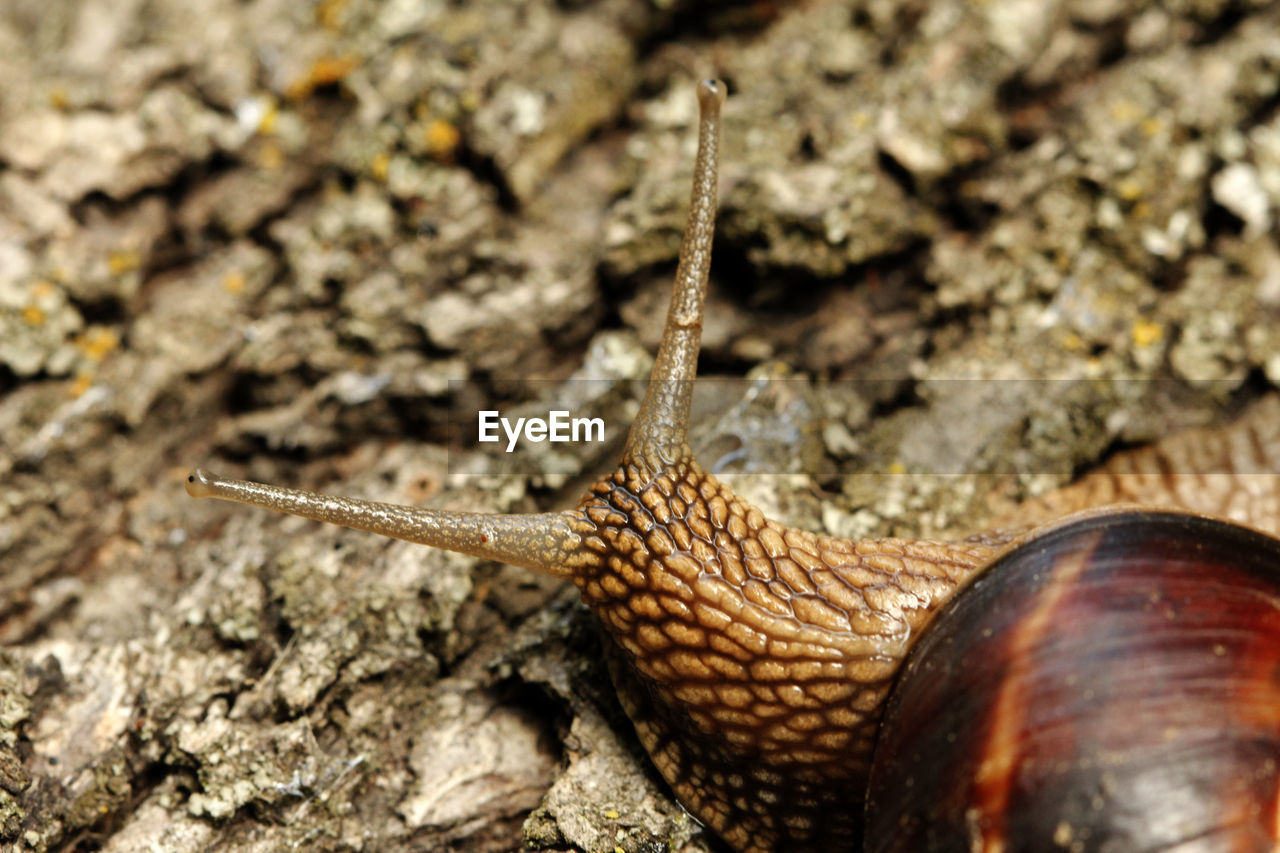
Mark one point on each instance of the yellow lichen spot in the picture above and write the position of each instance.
(1073, 342)
(233, 282)
(1125, 111)
(325, 70)
(59, 99)
(1129, 189)
(380, 166)
(270, 157)
(1146, 333)
(897, 468)
(1151, 127)
(123, 261)
(97, 342)
(612, 814)
(442, 139)
(270, 118)
(331, 69)
(32, 315)
(82, 383)
(329, 13)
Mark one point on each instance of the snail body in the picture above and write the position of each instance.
(754, 659)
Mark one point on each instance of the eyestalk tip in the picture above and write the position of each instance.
(200, 483)
(711, 94)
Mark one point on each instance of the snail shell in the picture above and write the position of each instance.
(1113, 684)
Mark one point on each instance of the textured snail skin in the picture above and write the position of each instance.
(1113, 686)
(754, 659)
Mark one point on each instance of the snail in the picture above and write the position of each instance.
(760, 663)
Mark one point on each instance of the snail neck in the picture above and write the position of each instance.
(754, 658)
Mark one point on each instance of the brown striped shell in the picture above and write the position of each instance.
(1113, 685)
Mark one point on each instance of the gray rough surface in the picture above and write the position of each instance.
(268, 236)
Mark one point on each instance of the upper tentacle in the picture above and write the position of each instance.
(660, 433)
